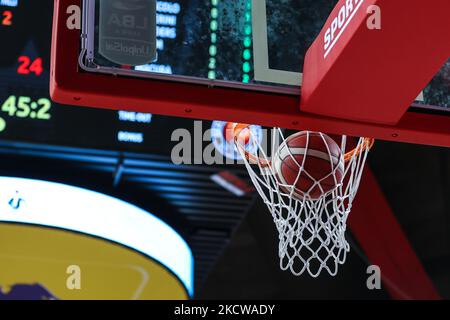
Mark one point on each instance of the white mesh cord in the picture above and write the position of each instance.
(311, 228)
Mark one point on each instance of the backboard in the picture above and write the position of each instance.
(251, 44)
(240, 61)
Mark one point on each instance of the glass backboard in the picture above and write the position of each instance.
(251, 44)
(258, 44)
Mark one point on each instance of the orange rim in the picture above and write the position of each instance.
(368, 143)
(237, 130)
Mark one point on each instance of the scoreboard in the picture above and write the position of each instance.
(26, 111)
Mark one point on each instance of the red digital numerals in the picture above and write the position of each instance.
(6, 18)
(28, 66)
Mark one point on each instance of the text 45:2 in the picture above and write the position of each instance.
(26, 107)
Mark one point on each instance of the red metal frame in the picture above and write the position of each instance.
(70, 85)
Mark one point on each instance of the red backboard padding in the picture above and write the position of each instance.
(363, 74)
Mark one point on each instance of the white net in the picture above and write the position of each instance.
(308, 184)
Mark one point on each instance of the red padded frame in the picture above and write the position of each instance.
(70, 85)
(375, 74)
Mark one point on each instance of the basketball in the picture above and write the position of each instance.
(242, 130)
(310, 162)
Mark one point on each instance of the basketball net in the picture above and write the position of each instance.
(311, 228)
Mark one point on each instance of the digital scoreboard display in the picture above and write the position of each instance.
(26, 110)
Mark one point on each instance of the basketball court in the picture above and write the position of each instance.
(258, 149)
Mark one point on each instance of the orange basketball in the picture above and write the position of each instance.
(242, 130)
(309, 165)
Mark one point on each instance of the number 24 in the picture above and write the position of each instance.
(27, 66)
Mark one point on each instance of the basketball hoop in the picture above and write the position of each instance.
(309, 184)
